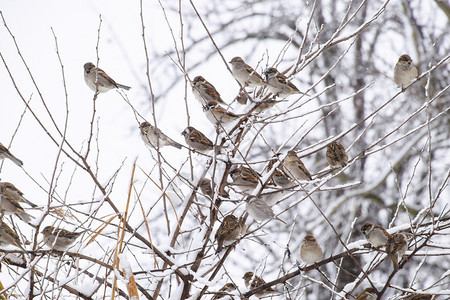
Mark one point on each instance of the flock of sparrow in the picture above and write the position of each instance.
(287, 172)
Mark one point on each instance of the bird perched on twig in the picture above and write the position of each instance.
(375, 234)
(294, 166)
(9, 189)
(150, 135)
(96, 78)
(259, 210)
(279, 84)
(216, 114)
(9, 236)
(336, 155)
(228, 231)
(225, 290)
(10, 206)
(253, 281)
(244, 178)
(197, 140)
(245, 74)
(204, 91)
(404, 71)
(310, 250)
(4, 153)
(367, 294)
(279, 176)
(396, 247)
(59, 238)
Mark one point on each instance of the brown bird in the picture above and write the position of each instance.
(204, 91)
(150, 135)
(9, 206)
(279, 176)
(336, 155)
(217, 114)
(197, 140)
(4, 153)
(206, 188)
(404, 71)
(310, 251)
(58, 238)
(253, 281)
(279, 84)
(244, 178)
(245, 74)
(9, 189)
(9, 236)
(229, 230)
(294, 166)
(396, 247)
(375, 234)
(96, 78)
(225, 290)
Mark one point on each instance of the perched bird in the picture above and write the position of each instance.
(150, 134)
(244, 178)
(266, 104)
(294, 166)
(279, 85)
(197, 140)
(404, 71)
(258, 209)
(225, 290)
(310, 251)
(58, 238)
(252, 282)
(96, 77)
(375, 234)
(217, 114)
(279, 176)
(10, 206)
(7, 188)
(336, 155)
(367, 294)
(9, 236)
(245, 74)
(396, 247)
(228, 231)
(204, 91)
(206, 188)
(4, 153)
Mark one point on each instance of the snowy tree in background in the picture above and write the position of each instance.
(183, 223)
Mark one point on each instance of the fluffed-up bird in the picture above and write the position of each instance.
(244, 178)
(228, 231)
(375, 234)
(7, 188)
(253, 281)
(336, 155)
(396, 247)
(310, 250)
(59, 238)
(404, 71)
(197, 140)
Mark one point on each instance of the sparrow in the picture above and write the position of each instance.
(229, 230)
(252, 282)
(150, 134)
(258, 209)
(96, 77)
(375, 234)
(10, 206)
(367, 294)
(9, 236)
(244, 178)
(404, 71)
(245, 74)
(204, 91)
(197, 140)
(4, 153)
(217, 114)
(225, 290)
(7, 188)
(206, 188)
(264, 105)
(336, 155)
(310, 250)
(279, 85)
(396, 247)
(279, 176)
(293, 165)
(58, 238)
